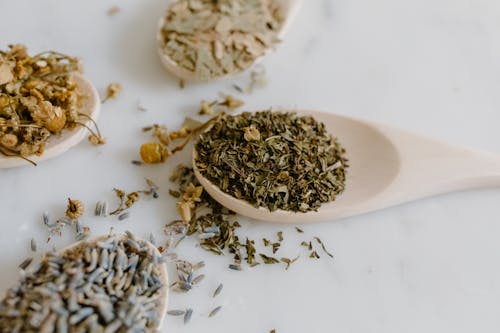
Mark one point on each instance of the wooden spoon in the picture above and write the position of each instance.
(163, 276)
(387, 167)
(288, 8)
(58, 144)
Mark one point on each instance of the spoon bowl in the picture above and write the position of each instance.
(163, 276)
(288, 10)
(58, 144)
(387, 167)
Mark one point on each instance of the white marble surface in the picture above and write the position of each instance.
(430, 66)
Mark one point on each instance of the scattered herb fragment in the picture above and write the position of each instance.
(188, 315)
(218, 290)
(323, 247)
(176, 312)
(33, 245)
(214, 311)
(268, 260)
(289, 261)
(112, 91)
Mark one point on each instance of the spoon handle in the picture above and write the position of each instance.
(429, 167)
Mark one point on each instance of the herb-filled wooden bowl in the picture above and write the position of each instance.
(202, 41)
(387, 167)
(89, 106)
(109, 283)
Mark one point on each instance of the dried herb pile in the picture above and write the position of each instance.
(273, 159)
(215, 38)
(216, 228)
(112, 285)
(38, 99)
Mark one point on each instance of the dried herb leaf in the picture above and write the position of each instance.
(268, 260)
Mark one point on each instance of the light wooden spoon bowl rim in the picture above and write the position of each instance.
(59, 144)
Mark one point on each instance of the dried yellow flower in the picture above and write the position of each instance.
(185, 209)
(8, 140)
(192, 193)
(112, 91)
(153, 152)
(49, 116)
(231, 103)
(251, 133)
(96, 140)
(74, 209)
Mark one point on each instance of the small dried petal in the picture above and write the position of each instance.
(153, 152)
(185, 209)
(6, 75)
(193, 193)
(251, 133)
(74, 209)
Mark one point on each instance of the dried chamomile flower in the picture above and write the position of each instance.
(51, 117)
(8, 140)
(112, 91)
(74, 209)
(153, 152)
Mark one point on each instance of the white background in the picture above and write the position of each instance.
(430, 66)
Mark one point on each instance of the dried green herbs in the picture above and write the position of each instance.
(216, 231)
(38, 99)
(215, 38)
(112, 285)
(273, 159)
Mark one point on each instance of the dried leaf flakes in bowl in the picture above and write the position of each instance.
(211, 39)
(38, 99)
